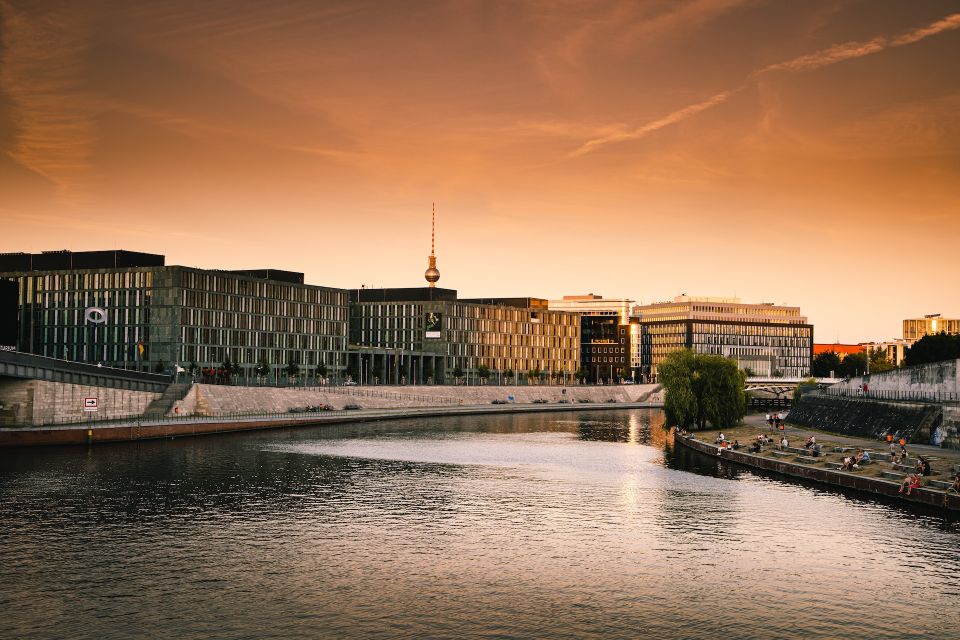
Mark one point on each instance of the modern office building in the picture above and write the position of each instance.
(916, 328)
(426, 334)
(609, 341)
(895, 350)
(129, 310)
(768, 339)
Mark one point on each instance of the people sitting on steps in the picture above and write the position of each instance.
(910, 483)
(923, 466)
(815, 450)
(784, 443)
(812, 440)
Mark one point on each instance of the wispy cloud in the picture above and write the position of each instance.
(41, 72)
(823, 58)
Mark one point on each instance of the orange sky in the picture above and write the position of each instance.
(801, 152)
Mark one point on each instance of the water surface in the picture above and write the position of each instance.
(573, 525)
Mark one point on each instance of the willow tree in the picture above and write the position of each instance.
(702, 390)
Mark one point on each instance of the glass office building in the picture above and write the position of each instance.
(768, 339)
(425, 334)
(128, 310)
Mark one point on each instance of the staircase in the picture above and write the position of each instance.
(160, 407)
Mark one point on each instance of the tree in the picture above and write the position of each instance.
(351, 372)
(933, 348)
(810, 384)
(457, 374)
(747, 371)
(159, 367)
(826, 364)
(263, 368)
(509, 374)
(702, 389)
(879, 362)
(193, 368)
(483, 372)
(854, 364)
(322, 370)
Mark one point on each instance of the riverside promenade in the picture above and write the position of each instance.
(880, 476)
(175, 427)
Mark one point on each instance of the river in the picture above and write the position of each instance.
(571, 525)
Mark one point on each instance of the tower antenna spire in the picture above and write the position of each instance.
(432, 274)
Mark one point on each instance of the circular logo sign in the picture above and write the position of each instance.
(95, 315)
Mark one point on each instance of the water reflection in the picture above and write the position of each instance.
(565, 525)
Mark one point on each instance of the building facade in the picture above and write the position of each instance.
(916, 328)
(767, 339)
(427, 334)
(128, 310)
(610, 346)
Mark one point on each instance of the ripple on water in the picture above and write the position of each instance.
(503, 526)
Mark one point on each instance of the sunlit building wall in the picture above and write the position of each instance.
(768, 339)
(425, 334)
(916, 328)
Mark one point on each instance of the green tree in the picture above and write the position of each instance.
(292, 369)
(508, 374)
(933, 348)
(702, 389)
(351, 372)
(483, 372)
(193, 368)
(322, 370)
(879, 362)
(853, 364)
(457, 374)
(826, 364)
(263, 368)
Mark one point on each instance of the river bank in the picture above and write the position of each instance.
(143, 429)
(878, 477)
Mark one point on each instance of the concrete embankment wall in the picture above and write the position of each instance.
(216, 400)
(869, 418)
(933, 378)
(41, 402)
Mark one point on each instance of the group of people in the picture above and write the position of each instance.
(775, 419)
(812, 446)
(853, 462)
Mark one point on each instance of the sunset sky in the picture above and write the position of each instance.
(794, 152)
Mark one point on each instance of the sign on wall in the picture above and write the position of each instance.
(91, 404)
(433, 324)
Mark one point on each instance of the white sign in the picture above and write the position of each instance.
(90, 404)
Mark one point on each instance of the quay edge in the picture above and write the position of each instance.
(927, 497)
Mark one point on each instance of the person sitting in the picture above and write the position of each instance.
(955, 487)
(858, 458)
(812, 440)
(784, 443)
(923, 466)
(847, 464)
(720, 438)
(815, 452)
(911, 482)
(896, 459)
(735, 445)
(755, 447)
(865, 458)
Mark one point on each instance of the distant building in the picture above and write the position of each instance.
(895, 350)
(916, 328)
(609, 343)
(424, 334)
(129, 310)
(768, 339)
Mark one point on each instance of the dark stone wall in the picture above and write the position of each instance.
(867, 418)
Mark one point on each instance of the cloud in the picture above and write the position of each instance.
(825, 57)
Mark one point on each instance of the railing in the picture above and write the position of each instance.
(870, 394)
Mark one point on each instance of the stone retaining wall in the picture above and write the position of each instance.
(41, 402)
(216, 400)
(869, 418)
